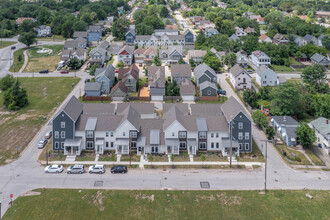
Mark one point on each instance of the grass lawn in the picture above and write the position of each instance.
(86, 156)
(209, 156)
(100, 204)
(4, 44)
(52, 155)
(19, 127)
(16, 66)
(111, 60)
(158, 158)
(182, 157)
(40, 61)
(292, 155)
(279, 68)
(294, 62)
(222, 99)
(134, 158)
(316, 160)
(255, 156)
(108, 156)
(52, 38)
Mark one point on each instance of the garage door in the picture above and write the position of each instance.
(188, 98)
(118, 98)
(157, 98)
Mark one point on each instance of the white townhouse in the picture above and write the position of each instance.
(239, 78)
(260, 58)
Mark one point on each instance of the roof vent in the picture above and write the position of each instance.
(327, 121)
(284, 118)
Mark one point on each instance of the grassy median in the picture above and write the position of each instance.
(4, 44)
(113, 204)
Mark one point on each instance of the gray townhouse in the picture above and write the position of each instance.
(206, 80)
(156, 82)
(106, 77)
(170, 54)
(97, 127)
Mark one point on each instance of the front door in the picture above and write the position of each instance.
(154, 150)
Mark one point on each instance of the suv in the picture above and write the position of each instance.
(43, 71)
(77, 168)
(42, 143)
(96, 169)
(221, 92)
(119, 169)
(48, 135)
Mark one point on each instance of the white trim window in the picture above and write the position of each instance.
(111, 134)
(89, 134)
(202, 145)
(246, 146)
(240, 125)
(62, 124)
(212, 135)
(183, 145)
(107, 134)
(217, 145)
(89, 145)
(62, 145)
(212, 145)
(247, 135)
(57, 134)
(202, 135)
(240, 135)
(62, 134)
(57, 146)
(182, 134)
(133, 134)
(240, 146)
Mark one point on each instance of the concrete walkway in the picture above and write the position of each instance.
(26, 60)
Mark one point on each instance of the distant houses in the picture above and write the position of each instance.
(43, 31)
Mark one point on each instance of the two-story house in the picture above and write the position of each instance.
(125, 55)
(146, 40)
(99, 56)
(320, 59)
(130, 37)
(94, 33)
(286, 127)
(156, 82)
(239, 78)
(322, 131)
(264, 39)
(106, 77)
(260, 58)
(180, 72)
(130, 77)
(170, 54)
(170, 40)
(280, 39)
(196, 55)
(189, 37)
(266, 76)
(43, 31)
(206, 80)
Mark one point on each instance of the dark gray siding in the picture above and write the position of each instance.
(247, 127)
(69, 128)
(189, 37)
(203, 79)
(205, 92)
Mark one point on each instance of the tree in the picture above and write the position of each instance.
(305, 134)
(120, 64)
(173, 89)
(92, 70)
(315, 78)
(44, 16)
(119, 28)
(6, 82)
(326, 42)
(251, 97)
(192, 63)
(15, 97)
(74, 63)
(250, 43)
(20, 58)
(269, 130)
(80, 26)
(181, 61)
(230, 59)
(260, 119)
(157, 61)
(211, 60)
(164, 12)
(27, 38)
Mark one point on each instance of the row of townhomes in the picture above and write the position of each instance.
(181, 128)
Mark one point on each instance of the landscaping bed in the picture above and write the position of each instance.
(108, 156)
(158, 158)
(134, 158)
(182, 157)
(86, 156)
(293, 157)
(52, 155)
(209, 156)
(255, 156)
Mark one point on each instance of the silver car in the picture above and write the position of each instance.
(48, 134)
(77, 168)
(42, 143)
(96, 169)
(54, 169)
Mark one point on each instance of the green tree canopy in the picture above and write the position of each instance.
(315, 78)
(173, 89)
(260, 119)
(119, 28)
(211, 60)
(6, 82)
(15, 97)
(306, 135)
(157, 61)
(27, 38)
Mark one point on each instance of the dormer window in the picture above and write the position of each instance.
(133, 134)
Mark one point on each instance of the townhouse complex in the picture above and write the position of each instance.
(120, 127)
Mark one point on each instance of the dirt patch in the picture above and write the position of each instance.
(41, 63)
(44, 91)
(97, 200)
(229, 200)
(23, 117)
(31, 193)
(143, 196)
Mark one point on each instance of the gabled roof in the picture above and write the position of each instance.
(318, 58)
(201, 69)
(180, 70)
(100, 50)
(125, 72)
(108, 71)
(265, 70)
(187, 88)
(183, 107)
(263, 37)
(93, 86)
(82, 34)
(206, 109)
(173, 114)
(99, 108)
(141, 108)
(70, 43)
(104, 44)
(237, 70)
(258, 53)
(207, 84)
(322, 125)
(73, 108)
(140, 50)
(231, 108)
(131, 115)
(285, 120)
(128, 49)
(196, 53)
(120, 85)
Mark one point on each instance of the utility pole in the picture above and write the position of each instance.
(0, 210)
(265, 164)
(231, 139)
(130, 150)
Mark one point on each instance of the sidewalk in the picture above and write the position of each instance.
(26, 60)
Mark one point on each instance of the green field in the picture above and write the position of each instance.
(56, 50)
(16, 65)
(4, 44)
(113, 204)
(19, 127)
(278, 68)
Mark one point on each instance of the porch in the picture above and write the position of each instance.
(226, 147)
(72, 147)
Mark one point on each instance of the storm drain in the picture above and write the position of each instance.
(205, 185)
(98, 183)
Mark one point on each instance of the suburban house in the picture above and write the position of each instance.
(125, 55)
(70, 45)
(322, 131)
(187, 90)
(99, 55)
(310, 39)
(239, 78)
(171, 27)
(171, 54)
(208, 88)
(209, 32)
(81, 37)
(170, 40)
(94, 33)
(250, 30)
(320, 59)
(264, 38)
(260, 58)
(43, 31)
(286, 126)
(130, 77)
(266, 76)
(92, 89)
(96, 127)
(180, 72)
(79, 53)
(142, 55)
(247, 15)
(320, 38)
(240, 32)
(119, 92)
(196, 55)
(206, 80)
(219, 54)
(106, 77)
(20, 20)
(222, 5)
(280, 39)
(189, 37)
(146, 40)
(242, 59)
(297, 40)
(156, 82)
(130, 37)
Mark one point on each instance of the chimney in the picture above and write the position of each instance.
(327, 121)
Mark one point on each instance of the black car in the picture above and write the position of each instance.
(119, 169)
(221, 92)
(43, 71)
(87, 80)
(13, 48)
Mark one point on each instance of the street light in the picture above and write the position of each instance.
(265, 163)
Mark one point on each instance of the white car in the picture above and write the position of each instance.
(96, 169)
(42, 143)
(54, 169)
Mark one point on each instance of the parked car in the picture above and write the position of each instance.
(221, 92)
(140, 64)
(249, 71)
(77, 168)
(43, 71)
(87, 80)
(96, 169)
(64, 71)
(42, 143)
(13, 48)
(119, 169)
(48, 134)
(54, 169)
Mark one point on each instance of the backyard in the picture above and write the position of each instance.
(100, 204)
(18, 128)
(43, 57)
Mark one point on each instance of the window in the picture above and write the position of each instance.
(217, 135)
(56, 145)
(202, 135)
(240, 146)
(111, 134)
(124, 133)
(183, 145)
(240, 135)
(246, 146)
(133, 144)
(133, 134)
(62, 124)
(62, 134)
(111, 144)
(89, 145)
(107, 134)
(202, 145)
(172, 134)
(212, 145)
(217, 145)
(62, 145)
(208, 92)
(247, 135)
(212, 135)
(57, 134)
(107, 144)
(89, 134)
(182, 134)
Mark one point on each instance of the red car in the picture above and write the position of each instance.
(64, 71)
